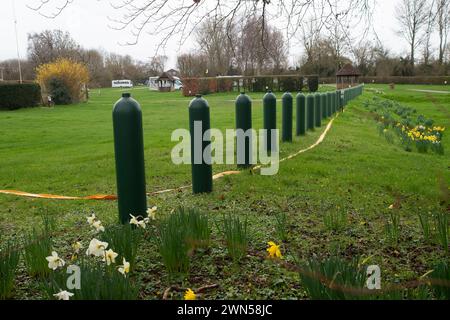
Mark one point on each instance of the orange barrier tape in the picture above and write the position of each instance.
(114, 197)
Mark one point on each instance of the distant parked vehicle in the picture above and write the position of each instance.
(153, 83)
(122, 84)
(178, 85)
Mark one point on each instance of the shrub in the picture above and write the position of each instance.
(235, 233)
(290, 84)
(15, 95)
(59, 91)
(173, 246)
(71, 77)
(262, 84)
(326, 280)
(440, 278)
(9, 259)
(313, 83)
(125, 239)
(38, 245)
(98, 282)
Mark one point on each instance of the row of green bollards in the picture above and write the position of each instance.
(129, 141)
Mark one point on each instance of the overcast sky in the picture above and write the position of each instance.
(87, 21)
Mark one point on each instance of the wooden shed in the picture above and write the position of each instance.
(347, 77)
(166, 82)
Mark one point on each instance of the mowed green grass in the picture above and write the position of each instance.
(69, 150)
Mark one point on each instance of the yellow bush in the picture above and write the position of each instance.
(72, 74)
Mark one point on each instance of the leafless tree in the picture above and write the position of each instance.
(443, 25)
(429, 27)
(47, 46)
(412, 16)
(157, 65)
(180, 18)
(192, 65)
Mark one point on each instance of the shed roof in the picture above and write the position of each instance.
(166, 76)
(348, 70)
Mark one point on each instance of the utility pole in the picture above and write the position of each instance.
(17, 40)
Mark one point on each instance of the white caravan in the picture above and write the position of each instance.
(122, 84)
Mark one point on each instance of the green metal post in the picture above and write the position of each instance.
(199, 124)
(244, 122)
(287, 117)
(301, 114)
(329, 105)
(318, 107)
(129, 156)
(310, 101)
(270, 117)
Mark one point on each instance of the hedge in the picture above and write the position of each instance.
(15, 95)
(435, 80)
(291, 83)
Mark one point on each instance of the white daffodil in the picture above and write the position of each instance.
(137, 223)
(97, 248)
(54, 262)
(110, 257)
(125, 268)
(91, 219)
(98, 226)
(152, 212)
(63, 295)
(77, 246)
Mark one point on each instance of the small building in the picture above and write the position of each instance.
(347, 77)
(173, 73)
(166, 82)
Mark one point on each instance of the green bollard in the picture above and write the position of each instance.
(287, 117)
(199, 124)
(329, 105)
(301, 114)
(270, 117)
(244, 122)
(333, 103)
(129, 155)
(310, 101)
(323, 108)
(318, 107)
(323, 102)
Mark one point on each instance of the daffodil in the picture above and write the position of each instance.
(138, 223)
(274, 250)
(125, 268)
(110, 257)
(54, 261)
(77, 246)
(63, 295)
(97, 248)
(152, 212)
(98, 226)
(190, 295)
(91, 219)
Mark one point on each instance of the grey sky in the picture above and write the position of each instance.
(87, 21)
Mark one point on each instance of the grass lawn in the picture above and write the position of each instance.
(68, 150)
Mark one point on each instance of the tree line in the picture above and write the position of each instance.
(49, 45)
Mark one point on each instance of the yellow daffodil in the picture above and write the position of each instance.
(97, 248)
(125, 268)
(110, 257)
(77, 246)
(63, 295)
(55, 262)
(190, 295)
(152, 212)
(274, 250)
